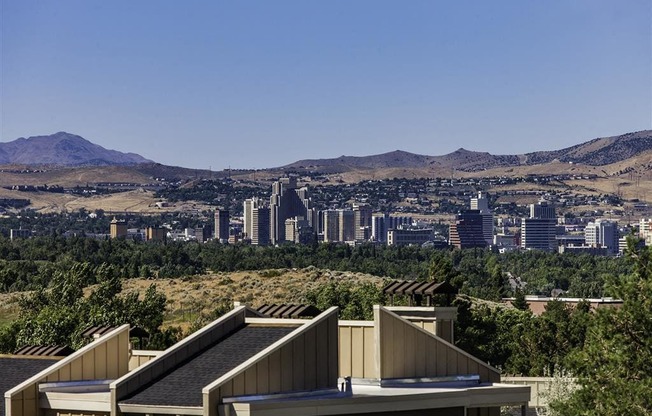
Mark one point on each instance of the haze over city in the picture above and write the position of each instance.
(262, 84)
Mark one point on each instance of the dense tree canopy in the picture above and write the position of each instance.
(58, 316)
(615, 365)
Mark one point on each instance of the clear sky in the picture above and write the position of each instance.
(265, 83)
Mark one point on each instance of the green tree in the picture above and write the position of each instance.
(614, 368)
(519, 301)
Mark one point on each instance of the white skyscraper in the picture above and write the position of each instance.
(602, 233)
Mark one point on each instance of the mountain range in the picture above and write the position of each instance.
(596, 152)
(63, 149)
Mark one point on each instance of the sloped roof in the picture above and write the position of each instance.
(14, 371)
(183, 385)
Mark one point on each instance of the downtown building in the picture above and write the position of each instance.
(256, 222)
(339, 225)
(538, 232)
(467, 231)
(602, 234)
(222, 222)
(481, 203)
(288, 201)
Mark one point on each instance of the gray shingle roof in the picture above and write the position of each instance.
(14, 371)
(182, 386)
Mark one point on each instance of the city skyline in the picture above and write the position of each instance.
(199, 86)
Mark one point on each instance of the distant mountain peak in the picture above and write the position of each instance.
(63, 149)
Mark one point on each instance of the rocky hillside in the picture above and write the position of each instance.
(597, 152)
(63, 149)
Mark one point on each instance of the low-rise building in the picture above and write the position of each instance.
(245, 364)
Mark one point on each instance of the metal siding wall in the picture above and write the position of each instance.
(407, 352)
(357, 354)
(114, 352)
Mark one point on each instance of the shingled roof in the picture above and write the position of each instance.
(14, 371)
(183, 385)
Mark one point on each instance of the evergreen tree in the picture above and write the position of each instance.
(519, 301)
(614, 368)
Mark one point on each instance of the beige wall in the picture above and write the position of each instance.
(407, 351)
(140, 357)
(105, 358)
(73, 413)
(357, 350)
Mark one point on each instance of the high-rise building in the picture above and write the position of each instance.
(156, 233)
(331, 225)
(362, 221)
(287, 201)
(602, 233)
(466, 232)
(248, 205)
(118, 228)
(222, 225)
(346, 225)
(379, 227)
(260, 226)
(481, 203)
(297, 230)
(542, 210)
(538, 232)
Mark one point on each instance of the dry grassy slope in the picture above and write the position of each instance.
(133, 201)
(188, 297)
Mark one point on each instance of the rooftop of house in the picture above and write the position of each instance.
(14, 370)
(182, 386)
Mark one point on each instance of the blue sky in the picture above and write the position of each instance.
(265, 83)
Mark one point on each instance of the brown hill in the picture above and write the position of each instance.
(596, 152)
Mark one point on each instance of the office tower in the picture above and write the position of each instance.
(260, 226)
(481, 203)
(222, 225)
(602, 233)
(286, 202)
(248, 206)
(331, 225)
(467, 231)
(542, 210)
(297, 230)
(346, 225)
(362, 218)
(398, 222)
(118, 228)
(538, 231)
(156, 233)
(379, 227)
